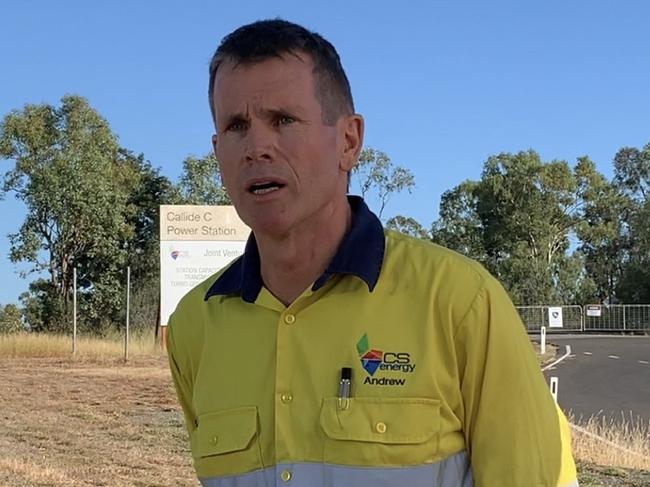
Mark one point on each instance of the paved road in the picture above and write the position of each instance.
(607, 375)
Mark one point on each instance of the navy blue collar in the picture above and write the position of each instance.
(361, 254)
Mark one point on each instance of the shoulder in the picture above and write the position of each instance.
(408, 253)
(450, 281)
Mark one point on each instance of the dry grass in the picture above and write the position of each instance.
(36, 345)
(82, 423)
(616, 442)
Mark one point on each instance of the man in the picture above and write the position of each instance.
(333, 352)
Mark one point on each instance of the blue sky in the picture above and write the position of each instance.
(441, 85)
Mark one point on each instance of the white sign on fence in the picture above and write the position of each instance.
(593, 310)
(195, 242)
(555, 317)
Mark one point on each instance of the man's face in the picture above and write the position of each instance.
(280, 164)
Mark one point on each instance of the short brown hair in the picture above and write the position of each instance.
(267, 39)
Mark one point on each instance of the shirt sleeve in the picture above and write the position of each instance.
(181, 382)
(514, 432)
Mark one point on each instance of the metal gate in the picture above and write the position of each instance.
(617, 317)
(534, 317)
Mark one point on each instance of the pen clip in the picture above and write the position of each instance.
(345, 386)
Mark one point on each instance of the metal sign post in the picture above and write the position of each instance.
(128, 297)
(554, 386)
(74, 311)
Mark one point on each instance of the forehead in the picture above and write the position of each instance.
(286, 79)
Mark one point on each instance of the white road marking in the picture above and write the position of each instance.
(587, 353)
(644, 362)
(613, 356)
(568, 352)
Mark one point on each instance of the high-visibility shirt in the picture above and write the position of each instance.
(445, 386)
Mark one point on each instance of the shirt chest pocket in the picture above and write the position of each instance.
(226, 442)
(374, 431)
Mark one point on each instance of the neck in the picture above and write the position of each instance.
(292, 262)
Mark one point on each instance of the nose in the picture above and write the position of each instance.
(259, 143)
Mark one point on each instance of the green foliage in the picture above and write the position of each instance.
(378, 176)
(459, 226)
(632, 179)
(144, 304)
(44, 308)
(200, 182)
(11, 319)
(408, 226)
(601, 231)
(517, 220)
(91, 205)
(523, 217)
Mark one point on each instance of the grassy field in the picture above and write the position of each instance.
(96, 421)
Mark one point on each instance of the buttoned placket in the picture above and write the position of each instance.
(284, 395)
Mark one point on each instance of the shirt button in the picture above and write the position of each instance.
(286, 398)
(285, 475)
(215, 440)
(380, 427)
(289, 319)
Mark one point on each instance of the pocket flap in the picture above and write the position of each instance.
(225, 431)
(381, 419)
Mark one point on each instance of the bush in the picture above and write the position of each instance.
(11, 319)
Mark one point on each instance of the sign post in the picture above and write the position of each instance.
(128, 305)
(554, 387)
(74, 310)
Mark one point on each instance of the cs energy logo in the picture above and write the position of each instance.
(175, 254)
(370, 359)
(373, 360)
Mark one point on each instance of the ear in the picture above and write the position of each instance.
(352, 135)
(214, 146)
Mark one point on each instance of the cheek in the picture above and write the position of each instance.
(227, 156)
(311, 155)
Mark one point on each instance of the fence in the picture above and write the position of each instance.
(534, 317)
(618, 317)
(591, 318)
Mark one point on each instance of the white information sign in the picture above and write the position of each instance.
(195, 242)
(594, 310)
(555, 317)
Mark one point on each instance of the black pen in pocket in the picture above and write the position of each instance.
(345, 388)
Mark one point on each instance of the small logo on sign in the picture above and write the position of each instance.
(175, 254)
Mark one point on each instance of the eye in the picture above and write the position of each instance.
(237, 126)
(285, 120)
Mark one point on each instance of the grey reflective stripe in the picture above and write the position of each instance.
(453, 471)
(571, 484)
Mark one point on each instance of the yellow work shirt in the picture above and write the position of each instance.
(445, 387)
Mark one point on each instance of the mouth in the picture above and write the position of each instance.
(265, 187)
